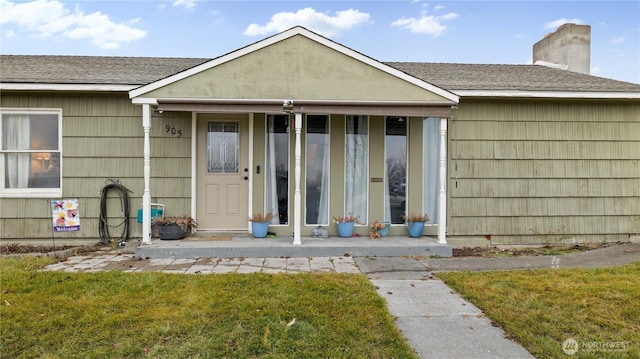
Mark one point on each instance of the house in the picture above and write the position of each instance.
(304, 127)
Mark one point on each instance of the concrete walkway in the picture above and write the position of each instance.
(437, 322)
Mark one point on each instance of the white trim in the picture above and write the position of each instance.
(66, 87)
(547, 94)
(145, 101)
(194, 165)
(251, 172)
(298, 30)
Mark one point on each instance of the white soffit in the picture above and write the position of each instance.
(298, 30)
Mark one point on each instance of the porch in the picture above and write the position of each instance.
(245, 246)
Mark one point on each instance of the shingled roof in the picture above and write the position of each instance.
(36, 69)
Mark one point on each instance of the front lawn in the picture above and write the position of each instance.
(132, 315)
(541, 309)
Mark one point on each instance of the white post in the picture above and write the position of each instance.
(146, 195)
(296, 196)
(442, 210)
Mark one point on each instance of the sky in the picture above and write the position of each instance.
(493, 32)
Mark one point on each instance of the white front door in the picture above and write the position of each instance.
(222, 172)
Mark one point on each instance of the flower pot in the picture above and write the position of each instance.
(170, 231)
(415, 229)
(345, 229)
(259, 229)
(384, 232)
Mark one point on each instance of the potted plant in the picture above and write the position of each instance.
(260, 224)
(176, 227)
(379, 229)
(345, 225)
(415, 223)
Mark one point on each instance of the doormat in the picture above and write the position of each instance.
(222, 237)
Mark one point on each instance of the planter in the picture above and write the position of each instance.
(170, 231)
(259, 229)
(384, 232)
(415, 229)
(345, 229)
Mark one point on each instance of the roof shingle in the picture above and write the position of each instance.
(44, 69)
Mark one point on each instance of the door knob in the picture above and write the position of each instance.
(245, 178)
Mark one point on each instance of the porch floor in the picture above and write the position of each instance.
(245, 246)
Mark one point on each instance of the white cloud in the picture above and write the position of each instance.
(330, 26)
(427, 24)
(8, 33)
(595, 70)
(184, 3)
(438, 7)
(618, 40)
(51, 17)
(556, 23)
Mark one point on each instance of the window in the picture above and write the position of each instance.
(30, 153)
(277, 168)
(395, 150)
(223, 147)
(356, 167)
(317, 170)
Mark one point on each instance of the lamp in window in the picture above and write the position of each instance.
(43, 157)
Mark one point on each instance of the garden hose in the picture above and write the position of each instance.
(103, 225)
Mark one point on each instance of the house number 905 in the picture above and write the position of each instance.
(172, 130)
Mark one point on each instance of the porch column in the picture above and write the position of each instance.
(442, 210)
(146, 195)
(296, 196)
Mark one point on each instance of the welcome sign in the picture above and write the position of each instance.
(66, 217)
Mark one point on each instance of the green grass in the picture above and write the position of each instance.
(133, 315)
(541, 309)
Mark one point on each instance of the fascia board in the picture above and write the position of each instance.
(547, 94)
(65, 87)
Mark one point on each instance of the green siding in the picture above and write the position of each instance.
(536, 172)
(103, 139)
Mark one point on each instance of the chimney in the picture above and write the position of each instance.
(569, 47)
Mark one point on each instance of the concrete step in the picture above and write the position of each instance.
(242, 246)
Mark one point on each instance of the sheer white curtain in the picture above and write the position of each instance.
(271, 181)
(17, 137)
(431, 165)
(323, 209)
(356, 167)
(317, 170)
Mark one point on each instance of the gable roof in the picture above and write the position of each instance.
(128, 73)
(295, 31)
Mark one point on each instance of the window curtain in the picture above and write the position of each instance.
(356, 166)
(431, 167)
(17, 137)
(317, 170)
(271, 180)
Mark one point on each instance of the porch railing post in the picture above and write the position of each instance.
(146, 194)
(296, 196)
(442, 211)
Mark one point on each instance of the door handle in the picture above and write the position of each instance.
(245, 178)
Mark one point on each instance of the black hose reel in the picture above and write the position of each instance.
(103, 225)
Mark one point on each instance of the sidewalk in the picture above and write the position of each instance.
(437, 322)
